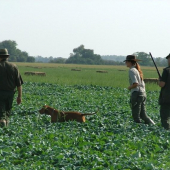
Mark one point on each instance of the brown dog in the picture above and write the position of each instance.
(59, 116)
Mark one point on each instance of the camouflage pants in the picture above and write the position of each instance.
(165, 115)
(6, 100)
(137, 102)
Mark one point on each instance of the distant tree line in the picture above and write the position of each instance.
(16, 55)
(50, 59)
(80, 55)
(147, 61)
(113, 58)
(144, 57)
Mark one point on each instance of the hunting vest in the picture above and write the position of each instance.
(164, 97)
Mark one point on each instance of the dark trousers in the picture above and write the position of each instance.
(165, 115)
(6, 100)
(137, 102)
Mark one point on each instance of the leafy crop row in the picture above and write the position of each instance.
(108, 140)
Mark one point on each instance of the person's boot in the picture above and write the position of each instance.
(137, 121)
(150, 121)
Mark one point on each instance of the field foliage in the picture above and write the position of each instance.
(108, 140)
(117, 76)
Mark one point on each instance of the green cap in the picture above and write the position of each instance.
(168, 56)
(4, 52)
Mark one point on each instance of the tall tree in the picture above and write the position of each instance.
(16, 55)
(145, 58)
(12, 50)
(81, 55)
(31, 59)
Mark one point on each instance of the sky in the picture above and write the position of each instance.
(109, 27)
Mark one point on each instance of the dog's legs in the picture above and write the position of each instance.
(52, 119)
(83, 118)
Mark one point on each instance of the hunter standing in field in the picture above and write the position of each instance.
(10, 79)
(164, 98)
(138, 93)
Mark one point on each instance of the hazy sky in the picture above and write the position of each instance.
(55, 27)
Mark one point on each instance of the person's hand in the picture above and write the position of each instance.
(159, 81)
(129, 88)
(19, 100)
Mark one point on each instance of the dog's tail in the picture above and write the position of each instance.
(85, 114)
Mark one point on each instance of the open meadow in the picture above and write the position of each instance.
(117, 76)
(109, 140)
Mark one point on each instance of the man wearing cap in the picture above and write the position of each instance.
(10, 79)
(164, 98)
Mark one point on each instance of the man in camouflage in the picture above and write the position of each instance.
(10, 79)
(164, 98)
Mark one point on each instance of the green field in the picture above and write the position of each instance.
(108, 140)
(117, 76)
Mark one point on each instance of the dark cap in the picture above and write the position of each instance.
(131, 58)
(168, 56)
(4, 53)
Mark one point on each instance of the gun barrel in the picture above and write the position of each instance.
(155, 66)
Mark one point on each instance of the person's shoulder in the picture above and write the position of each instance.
(132, 70)
(11, 64)
(166, 69)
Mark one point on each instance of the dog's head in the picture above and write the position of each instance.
(44, 110)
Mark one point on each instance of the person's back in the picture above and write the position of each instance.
(9, 74)
(10, 79)
(164, 98)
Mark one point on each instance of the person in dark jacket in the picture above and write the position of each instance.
(138, 93)
(10, 80)
(164, 98)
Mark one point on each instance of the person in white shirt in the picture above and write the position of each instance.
(138, 93)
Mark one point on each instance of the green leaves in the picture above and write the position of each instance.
(108, 140)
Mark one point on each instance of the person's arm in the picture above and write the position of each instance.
(161, 83)
(19, 83)
(133, 79)
(133, 86)
(163, 79)
(19, 98)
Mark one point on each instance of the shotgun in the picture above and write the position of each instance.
(155, 66)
